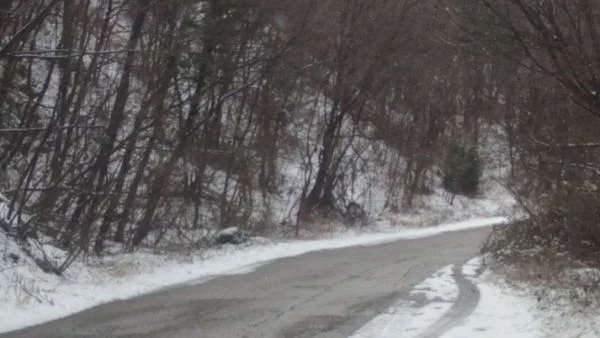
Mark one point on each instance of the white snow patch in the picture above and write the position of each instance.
(473, 268)
(502, 311)
(229, 231)
(572, 304)
(28, 297)
(440, 287)
(514, 310)
(407, 319)
(572, 323)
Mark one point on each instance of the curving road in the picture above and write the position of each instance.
(328, 294)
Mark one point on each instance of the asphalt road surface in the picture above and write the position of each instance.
(326, 294)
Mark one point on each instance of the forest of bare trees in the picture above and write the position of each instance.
(126, 121)
(547, 54)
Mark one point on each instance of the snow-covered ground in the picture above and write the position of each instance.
(28, 297)
(502, 310)
(407, 318)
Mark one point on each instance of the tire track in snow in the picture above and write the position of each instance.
(468, 298)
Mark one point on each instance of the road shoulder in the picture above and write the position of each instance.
(460, 302)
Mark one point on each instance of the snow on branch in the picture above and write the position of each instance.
(568, 145)
(66, 54)
(40, 129)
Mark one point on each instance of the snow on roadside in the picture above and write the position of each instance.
(513, 310)
(571, 303)
(502, 311)
(571, 322)
(440, 287)
(28, 297)
(409, 318)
